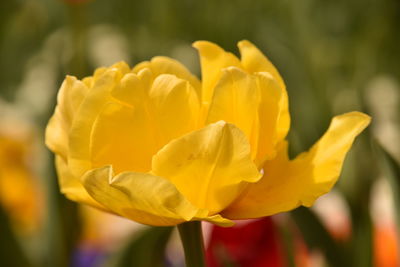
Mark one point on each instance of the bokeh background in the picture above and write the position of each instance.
(334, 55)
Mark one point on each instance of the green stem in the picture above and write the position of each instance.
(193, 245)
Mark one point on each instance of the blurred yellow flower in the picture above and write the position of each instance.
(20, 193)
(156, 145)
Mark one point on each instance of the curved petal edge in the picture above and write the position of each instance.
(287, 184)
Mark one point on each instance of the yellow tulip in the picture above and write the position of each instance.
(156, 145)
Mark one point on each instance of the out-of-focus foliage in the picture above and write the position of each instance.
(146, 249)
(335, 56)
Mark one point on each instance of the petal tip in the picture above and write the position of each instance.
(207, 49)
(221, 123)
(201, 43)
(70, 78)
(145, 72)
(158, 59)
(121, 65)
(233, 70)
(361, 115)
(108, 170)
(362, 120)
(244, 43)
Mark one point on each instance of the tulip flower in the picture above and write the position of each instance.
(156, 145)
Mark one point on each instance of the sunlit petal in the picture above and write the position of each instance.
(141, 197)
(128, 136)
(253, 60)
(213, 59)
(79, 136)
(209, 166)
(69, 98)
(72, 187)
(165, 65)
(288, 184)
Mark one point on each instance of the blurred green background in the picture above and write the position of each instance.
(334, 55)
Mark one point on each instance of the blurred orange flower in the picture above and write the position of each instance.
(386, 246)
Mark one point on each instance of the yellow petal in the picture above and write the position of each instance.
(288, 184)
(235, 101)
(123, 137)
(165, 65)
(88, 81)
(209, 166)
(127, 137)
(119, 69)
(213, 59)
(141, 197)
(268, 117)
(283, 124)
(122, 67)
(175, 105)
(79, 136)
(56, 137)
(69, 99)
(254, 104)
(133, 89)
(215, 219)
(252, 61)
(72, 187)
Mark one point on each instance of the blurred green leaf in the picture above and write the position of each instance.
(287, 238)
(63, 226)
(11, 254)
(145, 249)
(362, 240)
(316, 236)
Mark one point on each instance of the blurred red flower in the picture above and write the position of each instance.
(254, 244)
